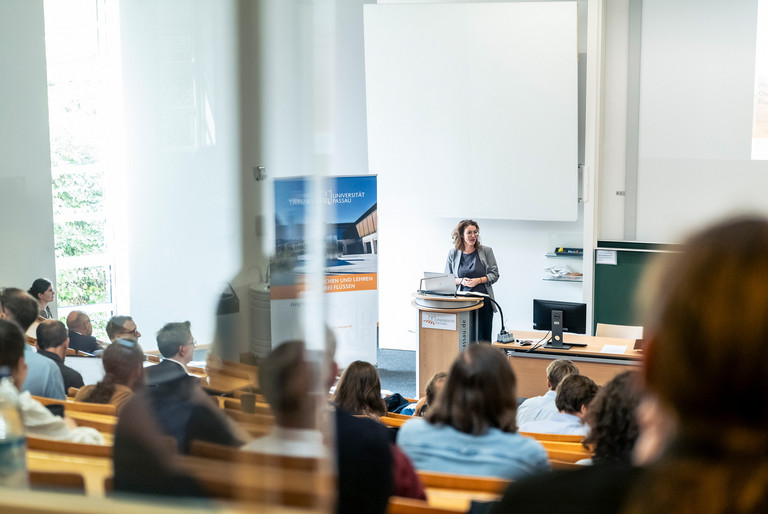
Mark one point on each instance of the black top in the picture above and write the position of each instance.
(71, 377)
(594, 489)
(366, 478)
(470, 266)
(83, 343)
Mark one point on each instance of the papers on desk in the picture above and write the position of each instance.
(613, 348)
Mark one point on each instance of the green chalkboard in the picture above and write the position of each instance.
(616, 285)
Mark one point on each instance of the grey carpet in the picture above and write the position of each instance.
(397, 371)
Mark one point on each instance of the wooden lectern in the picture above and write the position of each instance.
(445, 326)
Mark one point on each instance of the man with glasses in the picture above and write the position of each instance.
(122, 327)
(173, 402)
(177, 346)
(80, 333)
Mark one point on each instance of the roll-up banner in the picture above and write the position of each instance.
(351, 247)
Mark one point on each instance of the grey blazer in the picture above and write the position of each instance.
(486, 257)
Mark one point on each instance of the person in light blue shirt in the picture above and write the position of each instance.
(43, 375)
(470, 430)
(543, 407)
(574, 394)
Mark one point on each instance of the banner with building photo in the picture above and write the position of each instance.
(351, 246)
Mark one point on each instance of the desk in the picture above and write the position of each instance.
(592, 361)
(94, 469)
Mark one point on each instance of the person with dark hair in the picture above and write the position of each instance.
(711, 397)
(475, 269)
(124, 372)
(122, 327)
(43, 377)
(80, 333)
(543, 407)
(359, 391)
(37, 419)
(471, 429)
(42, 291)
(612, 420)
(52, 343)
(574, 394)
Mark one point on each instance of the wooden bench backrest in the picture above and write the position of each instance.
(395, 415)
(228, 453)
(67, 447)
(400, 505)
(69, 405)
(554, 437)
(72, 482)
(437, 480)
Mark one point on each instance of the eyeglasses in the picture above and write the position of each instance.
(193, 343)
(135, 333)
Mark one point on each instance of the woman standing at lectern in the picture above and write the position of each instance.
(475, 269)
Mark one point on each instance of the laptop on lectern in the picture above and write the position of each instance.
(443, 284)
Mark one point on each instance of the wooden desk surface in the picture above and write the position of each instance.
(602, 359)
(94, 469)
(595, 345)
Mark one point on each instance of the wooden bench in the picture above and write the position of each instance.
(554, 437)
(456, 492)
(230, 454)
(71, 405)
(399, 505)
(262, 484)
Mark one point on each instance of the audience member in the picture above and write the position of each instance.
(359, 391)
(177, 346)
(286, 380)
(37, 419)
(80, 333)
(434, 386)
(122, 327)
(124, 372)
(612, 420)
(543, 407)
(709, 397)
(177, 401)
(43, 377)
(713, 294)
(364, 454)
(471, 429)
(52, 342)
(42, 291)
(574, 394)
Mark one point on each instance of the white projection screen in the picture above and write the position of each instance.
(472, 108)
(697, 109)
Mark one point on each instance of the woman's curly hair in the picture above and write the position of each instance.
(612, 421)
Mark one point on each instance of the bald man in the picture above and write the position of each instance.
(80, 330)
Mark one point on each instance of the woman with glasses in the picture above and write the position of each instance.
(475, 269)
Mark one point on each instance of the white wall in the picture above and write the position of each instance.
(181, 231)
(26, 209)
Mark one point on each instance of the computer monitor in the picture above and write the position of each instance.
(560, 317)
